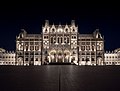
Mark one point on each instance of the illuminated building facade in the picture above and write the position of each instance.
(60, 44)
(7, 58)
(112, 58)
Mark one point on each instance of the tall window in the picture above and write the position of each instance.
(67, 39)
(31, 48)
(87, 47)
(51, 39)
(53, 30)
(92, 59)
(27, 48)
(64, 39)
(82, 48)
(61, 39)
(92, 47)
(36, 48)
(26, 59)
(32, 59)
(54, 39)
(58, 39)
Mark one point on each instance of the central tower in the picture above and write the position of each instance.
(59, 43)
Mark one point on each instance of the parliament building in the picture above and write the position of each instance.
(60, 44)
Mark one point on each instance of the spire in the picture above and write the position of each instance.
(46, 22)
(73, 22)
(60, 25)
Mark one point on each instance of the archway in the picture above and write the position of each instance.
(99, 60)
(60, 56)
(52, 55)
(66, 56)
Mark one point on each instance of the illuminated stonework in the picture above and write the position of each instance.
(112, 58)
(7, 58)
(60, 44)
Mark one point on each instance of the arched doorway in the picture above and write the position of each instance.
(60, 57)
(52, 55)
(66, 56)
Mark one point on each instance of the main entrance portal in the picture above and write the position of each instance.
(59, 56)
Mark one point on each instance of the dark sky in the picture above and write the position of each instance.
(31, 17)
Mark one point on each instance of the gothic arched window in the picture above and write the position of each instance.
(67, 39)
(51, 39)
(61, 39)
(58, 39)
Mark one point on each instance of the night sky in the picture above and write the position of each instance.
(31, 17)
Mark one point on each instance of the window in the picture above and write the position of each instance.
(83, 53)
(26, 48)
(45, 37)
(51, 39)
(31, 43)
(87, 53)
(53, 30)
(32, 59)
(31, 48)
(36, 59)
(36, 43)
(66, 30)
(82, 39)
(74, 52)
(54, 39)
(87, 59)
(92, 48)
(64, 39)
(61, 39)
(26, 59)
(82, 59)
(45, 30)
(58, 39)
(67, 40)
(36, 48)
(82, 48)
(87, 39)
(87, 47)
(26, 53)
(83, 43)
(73, 30)
(74, 37)
(92, 59)
(87, 43)
(36, 53)
(32, 53)
(92, 53)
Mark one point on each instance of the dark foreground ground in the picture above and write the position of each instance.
(60, 78)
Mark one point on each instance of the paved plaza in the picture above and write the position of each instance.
(59, 78)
